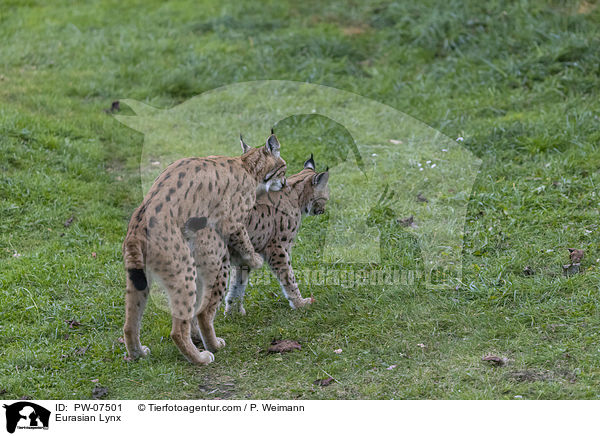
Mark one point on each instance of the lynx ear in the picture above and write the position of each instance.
(273, 145)
(320, 180)
(310, 163)
(245, 147)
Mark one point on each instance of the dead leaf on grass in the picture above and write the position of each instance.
(408, 222)
(69, 221)
(114, 107)
(282, 346)
(99, 392)
(421, 198)
(324, 381)
(576, 255)
(72, 323)
(495, 360)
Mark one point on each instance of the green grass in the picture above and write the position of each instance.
(518, 80)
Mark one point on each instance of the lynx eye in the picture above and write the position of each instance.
(270, 175)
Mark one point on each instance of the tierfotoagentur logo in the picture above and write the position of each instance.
(26, 415)
(398, 188)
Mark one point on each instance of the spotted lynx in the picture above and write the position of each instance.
(217, 192)
(272, 226)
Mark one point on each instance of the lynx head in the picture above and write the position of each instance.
(265, 164)
(312, 187)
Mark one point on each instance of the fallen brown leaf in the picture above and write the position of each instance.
(528, 271)
(408, 222)
(324, 381)
(69, 221)
(421, 198)
(72, 323)
(114, 107)
(99, 392)
(495, 360)
(283, 346)
(576, 255)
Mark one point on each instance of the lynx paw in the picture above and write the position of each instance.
(302, 302)
(205, 358)
(256, 261)
(219, 343)
(234, 309)
(142, 352)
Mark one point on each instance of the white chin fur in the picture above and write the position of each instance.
(273, 185)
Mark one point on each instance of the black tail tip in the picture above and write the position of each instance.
(138, 277)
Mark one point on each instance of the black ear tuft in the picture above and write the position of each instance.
(310, 163)
(320, 179)
(272, 131)
(273, 145)
(245, 147)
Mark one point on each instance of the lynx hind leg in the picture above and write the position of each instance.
(135, 303)
(238, 281)
(212, 267)
(213, 296)
(179, 281)
(180, 333)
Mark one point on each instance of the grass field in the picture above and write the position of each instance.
(519, 81)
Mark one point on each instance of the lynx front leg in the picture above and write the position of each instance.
(280, 263)
(240, 241)
(238, 281)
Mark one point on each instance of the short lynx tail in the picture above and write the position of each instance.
(138, 277)
(134, 264)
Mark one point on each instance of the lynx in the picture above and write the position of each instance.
(272, 226)
(217, 192)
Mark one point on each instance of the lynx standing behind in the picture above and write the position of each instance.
(272, 226)
(216, 191)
